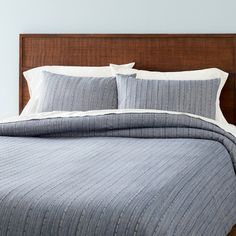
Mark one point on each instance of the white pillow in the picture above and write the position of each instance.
(205, 74)
(35, 75)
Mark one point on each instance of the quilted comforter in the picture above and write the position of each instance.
(117, 174)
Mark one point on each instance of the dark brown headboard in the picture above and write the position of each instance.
(151, 52)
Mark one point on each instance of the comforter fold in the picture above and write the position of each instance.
(136, 125)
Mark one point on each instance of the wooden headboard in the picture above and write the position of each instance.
(150, 52)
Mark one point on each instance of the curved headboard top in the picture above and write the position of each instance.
(159, 52)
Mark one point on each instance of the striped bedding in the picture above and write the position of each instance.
(191, 96)
(117, 174)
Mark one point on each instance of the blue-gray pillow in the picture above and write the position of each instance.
(190, 96)
(69, 93)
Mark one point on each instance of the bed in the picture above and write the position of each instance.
(121, 172)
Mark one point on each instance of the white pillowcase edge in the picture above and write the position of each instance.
(222, 75)
(35, 74)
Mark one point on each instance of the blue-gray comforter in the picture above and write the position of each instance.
(117, 174)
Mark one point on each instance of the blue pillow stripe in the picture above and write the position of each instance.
(190, 96)
(69, 93)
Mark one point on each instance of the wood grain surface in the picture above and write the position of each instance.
(162, 52)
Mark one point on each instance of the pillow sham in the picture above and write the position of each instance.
(204, 74)
(35, 75)
(69, 93)
(190, 96)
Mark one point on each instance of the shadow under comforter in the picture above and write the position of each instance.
(117, 174)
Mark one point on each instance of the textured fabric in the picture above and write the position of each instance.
(64, 114)
(178, 181)
(203, 74)
(34, 77)
(68, 93)
(196, 97)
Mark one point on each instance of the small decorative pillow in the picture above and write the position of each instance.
(69, 93)
(190, 96)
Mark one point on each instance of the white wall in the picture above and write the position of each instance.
(100, 16)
